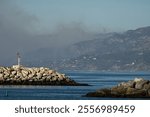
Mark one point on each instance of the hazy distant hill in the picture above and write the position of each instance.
(111, 51)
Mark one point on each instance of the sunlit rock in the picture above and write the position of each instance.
(19, 75)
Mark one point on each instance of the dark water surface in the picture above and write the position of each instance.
(97, 80)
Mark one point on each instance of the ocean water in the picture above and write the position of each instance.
(97, 80)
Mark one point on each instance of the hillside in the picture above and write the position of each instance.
(111, 51)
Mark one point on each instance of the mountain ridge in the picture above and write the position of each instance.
(109, 52)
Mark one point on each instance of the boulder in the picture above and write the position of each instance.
(138, 79)
(130, 84)
(51, 71)
(137, 93)
(146, 86)
(30, 76)
(1, 70)
(24, 72)
(118, 90)
(60, 78)
(13, 72)
(1, 75)
(140, 84)
(6, 73)
(54, 78)
(137, 88)
(38, 75)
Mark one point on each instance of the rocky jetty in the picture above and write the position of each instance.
(137, 88)
(19, 75)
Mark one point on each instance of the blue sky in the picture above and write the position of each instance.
(114, 15)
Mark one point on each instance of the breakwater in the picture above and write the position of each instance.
(19, 75)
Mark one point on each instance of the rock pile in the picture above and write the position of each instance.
(19, 75)
(137, 88)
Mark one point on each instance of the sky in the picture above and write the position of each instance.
(28, 25)
(114, 15)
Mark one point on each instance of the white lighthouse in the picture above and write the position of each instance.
(18, 59)
(18, 62)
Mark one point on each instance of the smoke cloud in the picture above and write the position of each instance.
(18, 33)
(14, 30)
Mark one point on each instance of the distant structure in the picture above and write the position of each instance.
(18, 59)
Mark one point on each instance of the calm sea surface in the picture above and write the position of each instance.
(97, 80)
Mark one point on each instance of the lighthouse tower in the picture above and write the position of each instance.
(18, 59)
(18, 62)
